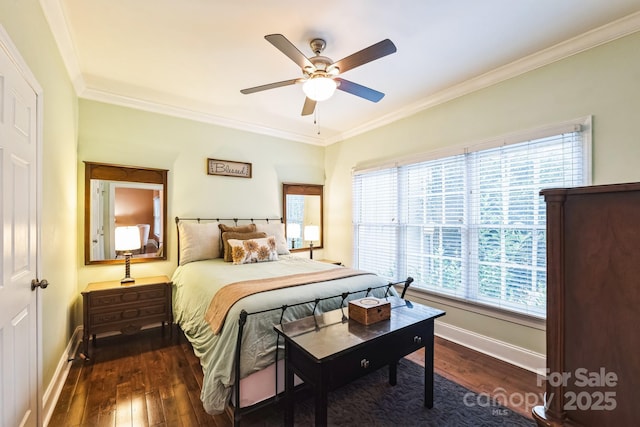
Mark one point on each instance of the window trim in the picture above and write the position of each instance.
(585, 124)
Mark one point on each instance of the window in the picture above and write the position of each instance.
(469, 225)
(295, 218)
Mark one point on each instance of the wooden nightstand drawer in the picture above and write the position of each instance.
(127, 295)
(127, 314)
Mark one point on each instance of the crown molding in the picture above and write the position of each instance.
(184, 113)
(54, 14)
(596, 37)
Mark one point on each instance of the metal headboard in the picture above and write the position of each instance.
(222, 221)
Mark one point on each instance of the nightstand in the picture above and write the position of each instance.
(330, 261)
(113, 307)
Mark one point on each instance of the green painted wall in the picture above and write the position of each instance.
(603, 82)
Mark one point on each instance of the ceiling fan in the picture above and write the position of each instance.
(320, 74)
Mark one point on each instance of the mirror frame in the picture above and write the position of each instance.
(111, 172)
(303, 190)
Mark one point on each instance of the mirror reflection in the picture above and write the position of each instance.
(125, 212)
(303, 215)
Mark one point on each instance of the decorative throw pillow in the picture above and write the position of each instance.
(238, 236)
(276, 229)
(198, 241)
(253, 250)
(247, 228)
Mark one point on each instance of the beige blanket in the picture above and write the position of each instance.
(226, 297)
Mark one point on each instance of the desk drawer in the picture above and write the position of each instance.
(360, 361)
(127, 295)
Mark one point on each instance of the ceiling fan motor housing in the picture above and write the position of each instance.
(317, 46)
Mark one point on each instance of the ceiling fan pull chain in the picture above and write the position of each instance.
(315, 118)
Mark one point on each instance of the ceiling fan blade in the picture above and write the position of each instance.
(309, 106)
(371, 53)
(269, 86)
(286, 47)
(359, 90)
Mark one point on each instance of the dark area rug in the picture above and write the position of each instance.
(371, 401)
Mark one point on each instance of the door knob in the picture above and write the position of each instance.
(39, 283)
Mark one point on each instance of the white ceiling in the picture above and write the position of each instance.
(190, 58)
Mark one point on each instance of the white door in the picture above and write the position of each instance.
(18, 309)
(97, 222)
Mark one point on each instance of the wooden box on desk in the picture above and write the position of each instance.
(369, 310)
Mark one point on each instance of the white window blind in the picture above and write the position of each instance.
(469, 226)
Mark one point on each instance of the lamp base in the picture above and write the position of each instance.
(127, 270)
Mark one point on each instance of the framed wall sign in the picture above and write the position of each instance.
(228, 168)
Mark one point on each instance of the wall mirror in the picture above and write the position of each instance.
(124, 196)
(303, 213)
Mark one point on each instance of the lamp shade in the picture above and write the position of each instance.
(127, 238)
(293, 231)
(319, 88)
(311, 232)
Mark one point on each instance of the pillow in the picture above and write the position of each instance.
(276, 230)
(253, 250)
(238, 236)
(248, 228)
(198, 241)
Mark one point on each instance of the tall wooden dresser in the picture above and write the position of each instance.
(593, 306)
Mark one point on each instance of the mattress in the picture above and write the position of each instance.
(196, 283)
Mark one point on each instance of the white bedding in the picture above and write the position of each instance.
(196, 283)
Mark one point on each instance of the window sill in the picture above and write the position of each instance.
(508, 316)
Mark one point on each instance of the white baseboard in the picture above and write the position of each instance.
(518, 356)
(52, 393)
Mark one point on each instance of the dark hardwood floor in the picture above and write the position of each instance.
(151, 379)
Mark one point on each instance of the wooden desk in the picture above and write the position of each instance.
(330, 350)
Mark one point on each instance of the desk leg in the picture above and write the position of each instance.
(321, 404)
(288, 390)
(393, 373)
(428, 367)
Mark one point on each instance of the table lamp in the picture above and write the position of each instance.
(293, 233)
(311, 233)
(127, 240)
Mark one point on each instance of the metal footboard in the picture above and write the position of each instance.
(236, 411)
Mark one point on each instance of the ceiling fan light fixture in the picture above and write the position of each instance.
(319, 88)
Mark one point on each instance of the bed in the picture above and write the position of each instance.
(235, 337)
